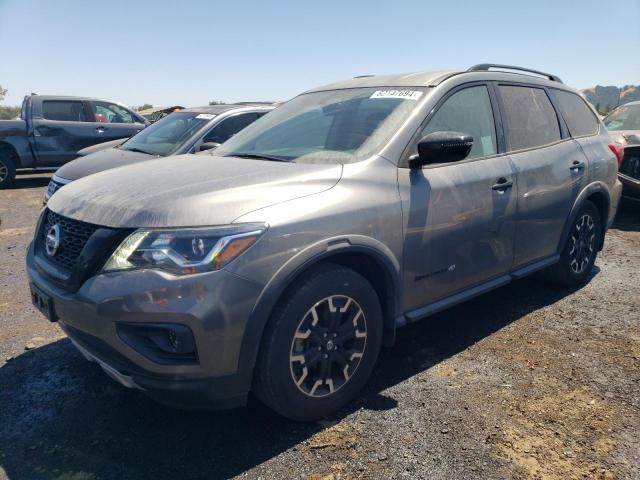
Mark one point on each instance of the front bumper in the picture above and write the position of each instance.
(215, 306)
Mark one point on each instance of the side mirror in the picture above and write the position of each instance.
(207, 146)
(442, 147)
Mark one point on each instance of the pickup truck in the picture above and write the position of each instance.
(51, 130)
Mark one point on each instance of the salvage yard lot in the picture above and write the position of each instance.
(527, 381)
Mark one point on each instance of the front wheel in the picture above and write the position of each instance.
(579, 253)
(321, 344)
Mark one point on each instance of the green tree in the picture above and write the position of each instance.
(216, 102)
(9, 113)
(143, 107)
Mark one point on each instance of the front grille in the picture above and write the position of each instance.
(73, 237)
(631, 163)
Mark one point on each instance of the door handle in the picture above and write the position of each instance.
(576, 165)
(100, 129)
(502, 185)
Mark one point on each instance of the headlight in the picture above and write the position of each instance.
(184, 251)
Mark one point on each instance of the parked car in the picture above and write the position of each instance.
(188, 131)
(283, 262)
(624, 126)
(51, 129)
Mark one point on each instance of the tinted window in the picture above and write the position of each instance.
(63, 110)
(531, 120)
(467, 111)
(579, 117)
(229, 127)
(625, 117)
(111, 113)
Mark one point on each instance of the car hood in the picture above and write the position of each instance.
(629, 138)
(101, 146)
(188, 190)
(99, 161)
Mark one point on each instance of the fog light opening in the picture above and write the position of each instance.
(161, 343)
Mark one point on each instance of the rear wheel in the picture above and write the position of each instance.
(581, 249)
(7, 172)
(321, 344)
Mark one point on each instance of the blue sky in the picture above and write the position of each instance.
(190, 52)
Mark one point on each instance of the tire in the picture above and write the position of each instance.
(7, 172)
(300, 338)
(577, 259)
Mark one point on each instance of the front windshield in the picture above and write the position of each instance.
(625, 117)
(336, 126)
(168, 134)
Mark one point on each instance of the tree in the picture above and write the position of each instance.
(143, 107)
(9, 113)
(3, 92)
(216, 102)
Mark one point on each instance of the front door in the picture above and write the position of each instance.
(458, 217)
(112, 122)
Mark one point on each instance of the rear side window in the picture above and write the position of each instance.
(531, 120)
(63, 110)
(579, 117)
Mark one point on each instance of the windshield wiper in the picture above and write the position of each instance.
(258, 156)
(139, 150)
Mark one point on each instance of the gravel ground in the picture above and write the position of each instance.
(529, 381)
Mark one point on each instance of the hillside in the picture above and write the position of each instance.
(606, 99)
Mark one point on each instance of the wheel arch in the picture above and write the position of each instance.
(367, 256)
(8, 149)
(598, 194)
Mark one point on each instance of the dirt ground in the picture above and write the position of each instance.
(529, 381)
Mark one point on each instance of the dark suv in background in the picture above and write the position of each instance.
(282, 263)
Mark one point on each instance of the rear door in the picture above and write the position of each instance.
(60, 129)
(550, 167)
(584, 127)
(112, 121)
(458, 216)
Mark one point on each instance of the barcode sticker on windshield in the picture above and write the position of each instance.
(205, 116)
(405, 94)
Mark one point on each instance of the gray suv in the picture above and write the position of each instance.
(282, 264)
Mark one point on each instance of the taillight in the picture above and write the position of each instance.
(618, 150)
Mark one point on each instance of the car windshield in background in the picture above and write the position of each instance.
(168, 134)
(337, 126)
(625, 117)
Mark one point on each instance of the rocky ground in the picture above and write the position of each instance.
(529, 381)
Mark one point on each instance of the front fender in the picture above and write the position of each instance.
(322, 250)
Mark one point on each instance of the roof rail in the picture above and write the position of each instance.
(486, 66)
